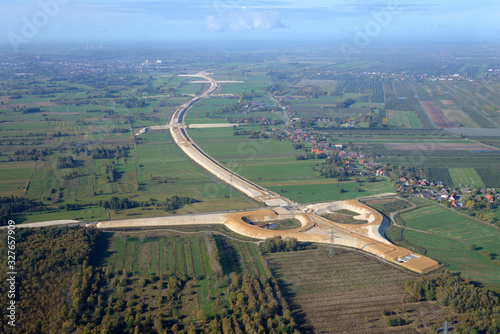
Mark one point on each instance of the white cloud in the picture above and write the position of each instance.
(244, 21)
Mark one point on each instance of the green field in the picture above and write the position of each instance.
(156, 252)
(465, 176)
(448, 238)
(14, 177)
(264, 162)
(326, 191)
(163, 253)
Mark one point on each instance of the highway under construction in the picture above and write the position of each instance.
(368, 236)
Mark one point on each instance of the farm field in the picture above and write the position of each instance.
(438, 118)
(437, 146)
(347, 292)
(14, 177)
(156, 255)
(160, 251)
(448, 237)
(490, 176)
(263, 161)
(465, 176)
(161, 159)
(323, 190)
(406, 119)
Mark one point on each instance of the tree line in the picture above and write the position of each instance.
(170, 204)
(277, 244)
(478, 309)
(61, 291)
(13, 205)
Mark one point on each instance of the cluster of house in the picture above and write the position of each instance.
(256, 106)
(349, 123)
(438, 191)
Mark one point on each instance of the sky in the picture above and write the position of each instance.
(353, 22)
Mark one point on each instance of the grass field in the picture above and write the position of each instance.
(448, 237)
(346, 293)
(14, 177)
(325, 191)
(465, 176)
(263, 161)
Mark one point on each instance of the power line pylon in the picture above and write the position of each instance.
(332, 249)
(445, 329)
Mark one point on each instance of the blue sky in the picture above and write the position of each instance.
(176, 20)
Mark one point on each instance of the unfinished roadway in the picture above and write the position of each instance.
(367, 236)
(192, 150)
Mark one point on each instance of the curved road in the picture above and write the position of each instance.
(193, 151)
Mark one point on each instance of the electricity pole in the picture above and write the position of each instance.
(332, 249)
(446, 327)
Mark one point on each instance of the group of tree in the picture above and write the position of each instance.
(116, 203)
(255, 120)
(175, 202)
(478, 309)
(277, 244)
(61, 291)
(112, 174)
(48, 259)
(66, 162)
(103, 152)
(346, 103)
(12, 205)
(330, 172)
(132, 102)
(170, 204)
(108, 153)
(30, 155)
(257, 306)
(244, 132)
(72, 175)
(31, 110)
(310, 155)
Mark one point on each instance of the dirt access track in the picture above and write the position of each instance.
(368, 236)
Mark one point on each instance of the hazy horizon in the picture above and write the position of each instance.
(357, 24)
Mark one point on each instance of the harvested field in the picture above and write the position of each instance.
(435, 146)
(344, 293)
(459, 117)
(437, 117)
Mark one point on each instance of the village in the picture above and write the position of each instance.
(475, 201)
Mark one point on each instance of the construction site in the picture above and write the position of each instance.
(367, 236)
(314, 228)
